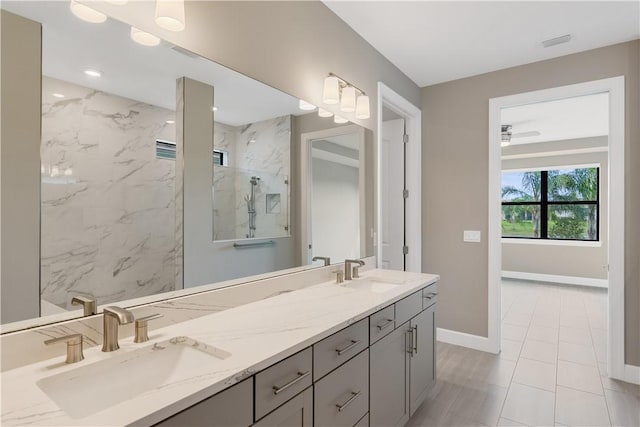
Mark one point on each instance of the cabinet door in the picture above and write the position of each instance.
(422, 358)
(389, 379)
(230, 408)
(298, 412)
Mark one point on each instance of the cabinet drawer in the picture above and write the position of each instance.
(381, 324)
(408, 307)
(364, 422)
(229, 408)
(333, 351)
(429, 295)
(282, 381)
(341, 398)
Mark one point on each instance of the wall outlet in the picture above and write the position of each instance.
(473, 236)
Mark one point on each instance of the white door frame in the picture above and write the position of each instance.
(615, 87)
(413, 118)
(306, 192)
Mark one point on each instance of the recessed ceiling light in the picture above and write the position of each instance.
(144, 38)
(57, 95)
(306, 106)
(557, 40)
(215, 108)
(85, 13)
(92, 73)
(170, 122)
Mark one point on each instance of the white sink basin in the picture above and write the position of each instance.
(93, 388)
(377, 285)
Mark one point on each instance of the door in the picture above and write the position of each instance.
(422, 365)
(298, 412)
(393, 201)
(389, 379)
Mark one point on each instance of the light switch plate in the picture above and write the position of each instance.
(473, 236)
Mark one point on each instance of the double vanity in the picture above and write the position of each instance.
(351, 354)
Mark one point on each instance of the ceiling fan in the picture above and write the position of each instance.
(507, 135)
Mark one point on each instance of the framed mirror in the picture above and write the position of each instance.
(135, 207)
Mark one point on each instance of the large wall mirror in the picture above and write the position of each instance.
(143, 192)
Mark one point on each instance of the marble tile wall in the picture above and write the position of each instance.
(108, 214)
(258, 149)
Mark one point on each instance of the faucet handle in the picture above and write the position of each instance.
(142, 327)
(89, 305)
(339, 275)
(74, 346)
(355, 271)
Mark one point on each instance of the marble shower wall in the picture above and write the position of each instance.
(108, 216)
(257, 149)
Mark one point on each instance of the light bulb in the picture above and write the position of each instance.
(362, 107)
(68, 172)
(331, 92)
(324, 113)
(144, 38)
(170, 14)
(339, 120)
(306, 106)
(86, 13)
(348, 101)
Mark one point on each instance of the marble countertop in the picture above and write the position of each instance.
(252, 336)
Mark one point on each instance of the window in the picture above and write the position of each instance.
(560, 204)
(167, 150)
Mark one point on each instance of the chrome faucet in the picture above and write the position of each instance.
(74, 346)
(112, 317)
(348, 272)
(89, 305)
(325, 259)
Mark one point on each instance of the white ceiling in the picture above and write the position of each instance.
(570, 118)
(146, 74)
(437, 41)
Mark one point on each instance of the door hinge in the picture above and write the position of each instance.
(405, 193)
(405, 250)
(405, 138)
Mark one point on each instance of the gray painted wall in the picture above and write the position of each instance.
(20, 45)
(455, 178)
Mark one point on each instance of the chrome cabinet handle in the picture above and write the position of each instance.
(354, 396)
(415, 341)
(342, 351)
(301, 375)
(430, 295)
(384, 325)
(410, 346)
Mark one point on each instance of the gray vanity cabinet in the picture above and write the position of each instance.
(230, 408)
(298, 412)
(389, 379)
(422, 357)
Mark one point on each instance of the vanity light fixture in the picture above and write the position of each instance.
(339, 120)
(92, 73)
(57, 95)
(324, 113)
(170, 122)
(85, 13)
(170, 14)
(306, 106)
(350, 97)
(144, 38)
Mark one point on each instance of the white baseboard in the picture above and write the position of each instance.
(632, 374)
(569, 280)
(462, 339)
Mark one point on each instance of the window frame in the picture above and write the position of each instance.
(545, 203)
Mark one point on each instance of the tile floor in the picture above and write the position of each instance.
(551, 371)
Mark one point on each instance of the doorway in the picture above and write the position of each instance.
(399, 189)
(564, 219)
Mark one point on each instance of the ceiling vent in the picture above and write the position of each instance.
(557, 40)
